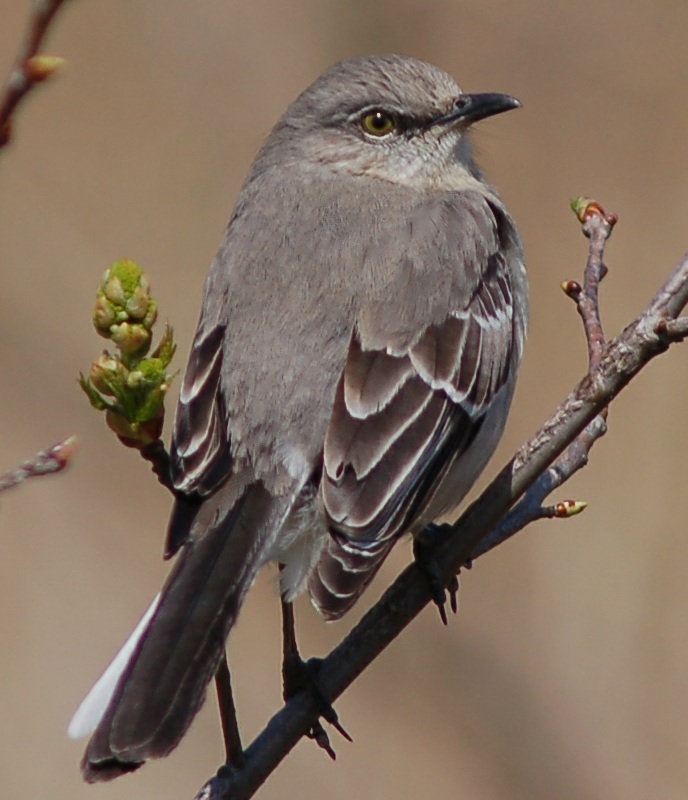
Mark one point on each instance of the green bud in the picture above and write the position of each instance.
(113, 289)
(153, 405)
(151, 315)
(578, 206)
(107, 375)
(153, 370)
(149, 372)
(127, 385)
(135, 434)
(124, 296)
(94, 396)
(134, 379)
(166, 348)
(137, 305)
(131, 339)
(128, 275)
(104, 315)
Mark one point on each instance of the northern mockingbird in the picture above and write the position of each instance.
(354, 363)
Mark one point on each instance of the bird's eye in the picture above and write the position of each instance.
(378, 122)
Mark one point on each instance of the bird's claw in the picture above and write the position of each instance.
(424, 546)
(301, 675)
(319, 735)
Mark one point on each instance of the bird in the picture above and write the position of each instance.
(354, 363)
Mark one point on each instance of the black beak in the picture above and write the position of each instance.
(470, 108)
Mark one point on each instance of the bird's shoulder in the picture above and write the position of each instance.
(432, 264)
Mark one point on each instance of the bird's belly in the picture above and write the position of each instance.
(299, 544)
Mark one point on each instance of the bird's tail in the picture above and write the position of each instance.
(146, 700)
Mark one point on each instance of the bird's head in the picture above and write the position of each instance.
(389, 117)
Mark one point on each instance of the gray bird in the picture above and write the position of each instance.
(354, 363)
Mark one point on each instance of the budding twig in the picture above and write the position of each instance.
(30, 67)
(130, 385)
(54, 459)
(597, 226)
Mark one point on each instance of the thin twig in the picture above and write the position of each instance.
(47, 461)
(159, 459)
(529, 508)
(28, 68)
(597, 226)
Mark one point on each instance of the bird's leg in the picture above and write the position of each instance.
(424, 546)
(298, 675)
(234, 751)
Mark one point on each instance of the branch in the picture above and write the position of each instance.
(53, 460)
(159, 459)
(555, 452)
(597, 226)
(29, 67)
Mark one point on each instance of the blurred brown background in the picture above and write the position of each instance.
(565, 673)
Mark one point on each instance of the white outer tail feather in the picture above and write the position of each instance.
(94, 705)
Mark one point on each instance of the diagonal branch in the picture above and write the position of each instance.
(613, 366)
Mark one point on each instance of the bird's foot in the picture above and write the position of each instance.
(425, 545)
(299, 675)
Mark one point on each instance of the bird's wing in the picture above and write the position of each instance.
(201, 459)
(434, 347)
